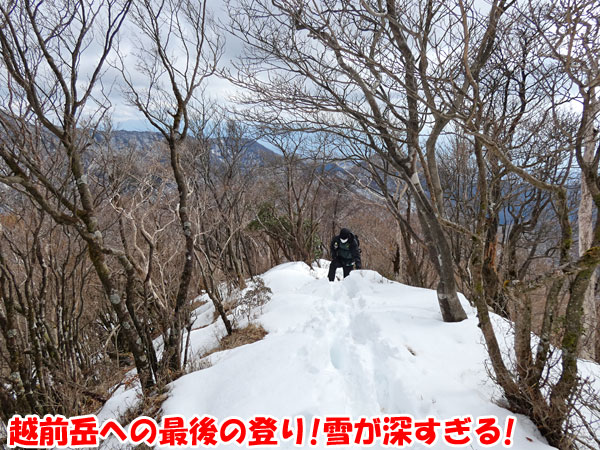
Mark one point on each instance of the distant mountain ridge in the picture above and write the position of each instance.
(255, 152)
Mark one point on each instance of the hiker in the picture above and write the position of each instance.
(345, 253)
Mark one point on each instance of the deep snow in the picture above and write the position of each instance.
(364, 346)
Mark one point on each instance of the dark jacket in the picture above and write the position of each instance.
(347, 253)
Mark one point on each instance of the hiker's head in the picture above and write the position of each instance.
(345, 234)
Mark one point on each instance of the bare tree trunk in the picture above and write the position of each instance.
(440, 255)
(398, 258)
(586, 228)
(181, 314)
(168, 104)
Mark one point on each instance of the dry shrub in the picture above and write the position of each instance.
(251, 303)
(247, 335)
(241, 336)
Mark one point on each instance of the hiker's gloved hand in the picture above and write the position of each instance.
(358, 265)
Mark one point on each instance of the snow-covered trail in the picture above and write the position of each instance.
(363, 346)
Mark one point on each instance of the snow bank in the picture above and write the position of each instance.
(364, 346)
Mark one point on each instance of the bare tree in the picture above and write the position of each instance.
(170, 28)
(574, 43)
(55, 355)
(527, 133)
(298, 182)
(222, 171)
(365, 72)
(50, 113)
(399, 78)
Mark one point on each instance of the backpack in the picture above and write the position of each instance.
(357, 244)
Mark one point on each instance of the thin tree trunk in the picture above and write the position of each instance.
(181, 313)
(585, 219)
